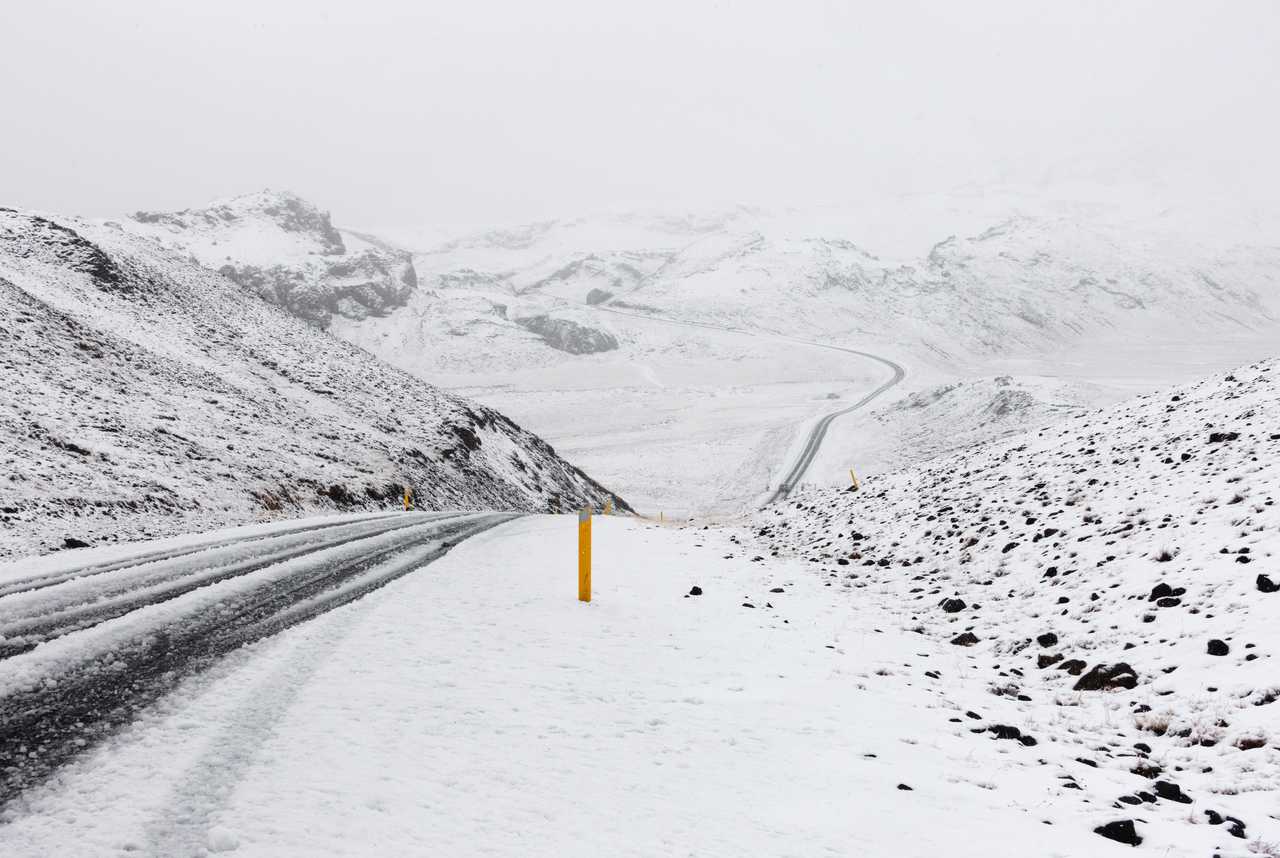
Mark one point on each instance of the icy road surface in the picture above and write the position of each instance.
(90, 638)
(477, 708)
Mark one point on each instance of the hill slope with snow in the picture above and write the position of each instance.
(1110, 586)
(146, 395)
(284, 249)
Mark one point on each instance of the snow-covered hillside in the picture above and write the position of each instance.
(284, 249)
(1110, 586)
(1063, 299)
(145, 395)
(1018, 282)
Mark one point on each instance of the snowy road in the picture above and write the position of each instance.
(85, 644)
(795, 470)
(480, 709)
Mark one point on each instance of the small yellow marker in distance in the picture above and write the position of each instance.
(608, 506)
(584, 555)
(408, 499)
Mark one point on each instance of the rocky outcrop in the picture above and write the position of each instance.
(287, 251)
(569, 336)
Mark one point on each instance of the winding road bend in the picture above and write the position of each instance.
(796, 469)
(85, 647)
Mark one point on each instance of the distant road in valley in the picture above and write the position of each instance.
(797, 468)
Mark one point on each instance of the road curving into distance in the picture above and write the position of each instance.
(84, 647)
(796, 469)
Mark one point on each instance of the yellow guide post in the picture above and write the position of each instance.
(608, 506)
(584, 555)
(854, 477)
(408, 499)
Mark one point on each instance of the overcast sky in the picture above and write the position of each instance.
(494, 112)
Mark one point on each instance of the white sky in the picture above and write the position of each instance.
(492, 112)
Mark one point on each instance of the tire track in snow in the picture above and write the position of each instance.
(61, 698)
(29, 618)
(58, 576)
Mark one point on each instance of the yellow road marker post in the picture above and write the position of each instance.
(584, 555)
(854, 477)
(608, 507)
(408, 499)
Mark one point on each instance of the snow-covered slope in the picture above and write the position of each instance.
(144, 394)
(1020, 281)
(1109, 586)
(286, 250)
(1055, 296)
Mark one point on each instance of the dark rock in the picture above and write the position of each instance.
(1046, 659)
(1122, 831)
(1163, 590)
(1218, 647)
(1171, 792)
(951, 606)
(904, 787)
(777, 590)
(1150, 771)
(1047, 639)
(1105, 677)
(569, 336)
(695, 590)
(1073, 666)
(966, 639)
(1220, 437)
(1266, 585)
(72, 542)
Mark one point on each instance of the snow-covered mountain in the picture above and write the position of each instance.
(284, 249)
(1110, 586)
(1018, 282)
(144, 394)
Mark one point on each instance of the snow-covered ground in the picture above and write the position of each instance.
(1109, 586)
(475, 707)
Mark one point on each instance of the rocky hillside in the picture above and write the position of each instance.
(284, 249)
(146, 395)
(1110, 586)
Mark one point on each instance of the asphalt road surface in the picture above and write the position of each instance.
(83, 648)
